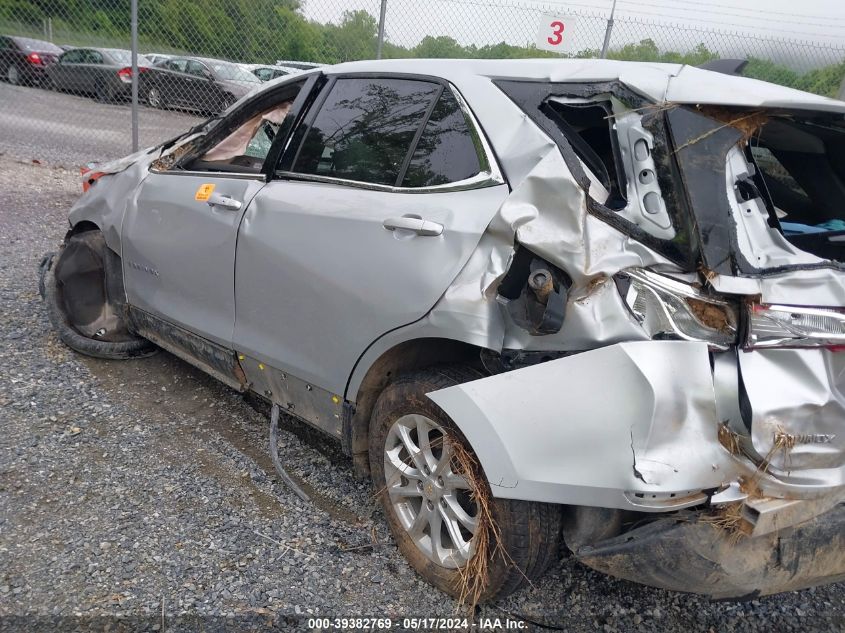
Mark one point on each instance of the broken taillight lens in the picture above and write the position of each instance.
(670, 309)
(795, 326)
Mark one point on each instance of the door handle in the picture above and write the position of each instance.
(225, 202)
(417, 225)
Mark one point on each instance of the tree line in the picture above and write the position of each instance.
(263, 31)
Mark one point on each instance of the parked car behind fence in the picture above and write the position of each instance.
(24, 60)
(196, 83)
(103, 72)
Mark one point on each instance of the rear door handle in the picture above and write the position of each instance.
(225, 202)
(417, 225)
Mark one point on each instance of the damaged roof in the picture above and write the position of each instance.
(659, 82)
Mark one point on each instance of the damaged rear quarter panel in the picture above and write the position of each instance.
(598, 428)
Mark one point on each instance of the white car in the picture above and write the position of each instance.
(531, 298)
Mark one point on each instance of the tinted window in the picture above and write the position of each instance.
(73, 57)
(175, 64)
(445, 152)
(231, 72)
(93, 57)
(365, 129)
(195, 68)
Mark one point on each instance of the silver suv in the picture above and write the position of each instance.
(532, 299)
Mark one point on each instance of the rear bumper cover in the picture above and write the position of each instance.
(694, 556)
(636, 426)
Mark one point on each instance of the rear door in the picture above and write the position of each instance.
(90, 72)
(65, 73)
(202, 92)
(171, 81)
(379, 200)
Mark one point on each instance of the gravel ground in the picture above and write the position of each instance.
(142, 492)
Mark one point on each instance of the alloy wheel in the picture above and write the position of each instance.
(154, 98)
(432, 502)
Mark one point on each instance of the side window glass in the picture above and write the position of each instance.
(71, 57)
(195, 68)
(365, 129)
(446, 151)
(263, 74)
(177, 64)
(246, 148)
(94, 57)
(5, 43)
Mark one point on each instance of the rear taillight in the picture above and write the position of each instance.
(35, 58)
(125, 74)
(795, 326)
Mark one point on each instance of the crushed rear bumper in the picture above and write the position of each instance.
(694, 556)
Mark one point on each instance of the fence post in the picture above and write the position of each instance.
(608, 31)
(381, 17)
(134, 19)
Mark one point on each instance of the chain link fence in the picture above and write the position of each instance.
(67, 76)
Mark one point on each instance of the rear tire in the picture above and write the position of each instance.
(86, 275)
(530, 532)
(13, 75)
(155, 99)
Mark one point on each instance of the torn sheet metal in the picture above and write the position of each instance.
(696, 86)
(645, 411)
(105, 203)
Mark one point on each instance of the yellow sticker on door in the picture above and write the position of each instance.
(204, 192)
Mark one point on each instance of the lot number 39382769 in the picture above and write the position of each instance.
(555, 33)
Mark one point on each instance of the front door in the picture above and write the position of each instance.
(179, 248)
(385, 198)
(178, 241)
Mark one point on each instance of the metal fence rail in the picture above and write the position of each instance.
(54, 106)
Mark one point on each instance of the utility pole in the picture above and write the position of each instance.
(381, 18)
(134, 19)
(608, 31)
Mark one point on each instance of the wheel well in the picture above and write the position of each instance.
(400, 359)
(82, 227)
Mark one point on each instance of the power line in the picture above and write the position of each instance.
(705, 6)
(739, 15)
(728, 24)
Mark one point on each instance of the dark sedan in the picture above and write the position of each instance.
(103, 72)
(24, 60)
(197, 83)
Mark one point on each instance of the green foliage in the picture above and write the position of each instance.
(266, 30)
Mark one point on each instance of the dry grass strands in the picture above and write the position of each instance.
(729, 439)
(782, 443)
(729, 519)
(748, 123)
(475, 575)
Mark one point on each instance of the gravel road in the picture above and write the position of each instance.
(57, 128)
(142, 492)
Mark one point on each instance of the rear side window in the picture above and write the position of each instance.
(365, 129)
(446, 151)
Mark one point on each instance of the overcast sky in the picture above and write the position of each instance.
(480, 22)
